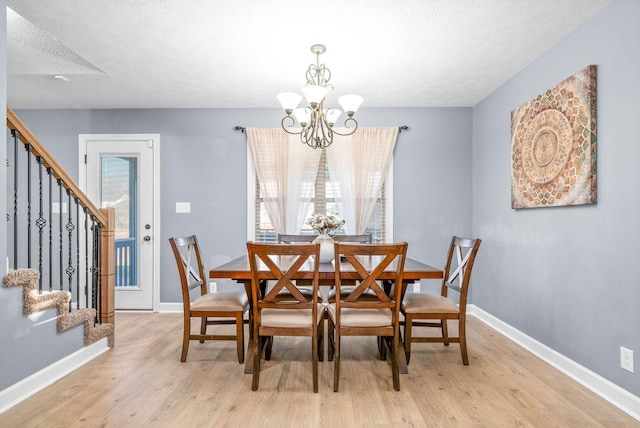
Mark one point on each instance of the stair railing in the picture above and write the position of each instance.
(54, 227)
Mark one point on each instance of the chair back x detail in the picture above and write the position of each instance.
(378, 314)
(299, 314)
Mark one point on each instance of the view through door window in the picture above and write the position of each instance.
(118, 187)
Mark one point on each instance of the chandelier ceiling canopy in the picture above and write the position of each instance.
(315, 119)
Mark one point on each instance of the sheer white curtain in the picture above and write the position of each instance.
(358, 165)
(286, 171)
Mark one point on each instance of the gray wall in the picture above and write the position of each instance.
(203, 160)
(568, 276)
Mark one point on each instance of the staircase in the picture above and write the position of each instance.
(60, 246)
(35, 301)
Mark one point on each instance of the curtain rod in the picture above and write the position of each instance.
(243, 129)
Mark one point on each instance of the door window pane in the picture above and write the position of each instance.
(118, 190)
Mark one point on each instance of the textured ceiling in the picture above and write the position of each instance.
(241, 53)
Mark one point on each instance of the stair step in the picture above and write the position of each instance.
(35, 301)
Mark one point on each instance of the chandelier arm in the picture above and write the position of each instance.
(306, 136)
(327, 134)
(293, 121)
(351, 130)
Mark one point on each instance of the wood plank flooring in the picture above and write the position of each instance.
(141, 383)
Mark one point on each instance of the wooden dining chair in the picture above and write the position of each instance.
(302, 315)
(350, 315)
(417, 307)
(212, 308)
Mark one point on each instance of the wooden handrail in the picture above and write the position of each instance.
(14, 123)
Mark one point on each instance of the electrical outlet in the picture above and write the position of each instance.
(626, 359)
(416, 287)
(213, 287)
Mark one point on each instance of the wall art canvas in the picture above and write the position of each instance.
(553, 145)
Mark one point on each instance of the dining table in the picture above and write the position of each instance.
(239, 270)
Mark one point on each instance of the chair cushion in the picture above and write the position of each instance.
(293, 318)
(227, 301)
(428, 303)
(354, 317)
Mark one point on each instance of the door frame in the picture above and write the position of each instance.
(154, 141)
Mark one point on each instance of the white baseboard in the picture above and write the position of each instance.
(22, 390)
(606, 389)
(170, 308)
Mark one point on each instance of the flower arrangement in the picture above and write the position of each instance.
(325, 223)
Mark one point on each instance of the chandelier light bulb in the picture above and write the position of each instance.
(314, 94)
(303, 115)
(289, 101)
(350, 103)
(332, 115)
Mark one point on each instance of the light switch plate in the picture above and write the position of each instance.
(55, 207)
(183, 207)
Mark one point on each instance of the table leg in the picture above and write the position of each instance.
(402, 360)
(402, 357)
(250, 354)
(248, 360)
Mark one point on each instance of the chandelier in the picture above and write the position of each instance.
(316, 120)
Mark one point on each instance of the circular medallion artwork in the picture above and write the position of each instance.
(546, 146)
(553, 146)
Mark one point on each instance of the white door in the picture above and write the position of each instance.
(121, 172)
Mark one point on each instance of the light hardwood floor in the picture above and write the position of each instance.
(141, 383)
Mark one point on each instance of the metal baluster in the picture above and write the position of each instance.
(60, 240)
(100, 267)
(94, 267)
(41, 222)
(70, 226)
(50, 228)
(86, 257)
(78, 253)
(28, 149)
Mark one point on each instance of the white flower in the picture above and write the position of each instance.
(325, 223)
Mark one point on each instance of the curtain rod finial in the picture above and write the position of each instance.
(240, 128)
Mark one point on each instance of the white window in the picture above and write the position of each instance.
(260, 229)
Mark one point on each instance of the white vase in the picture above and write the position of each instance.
(326, 247)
